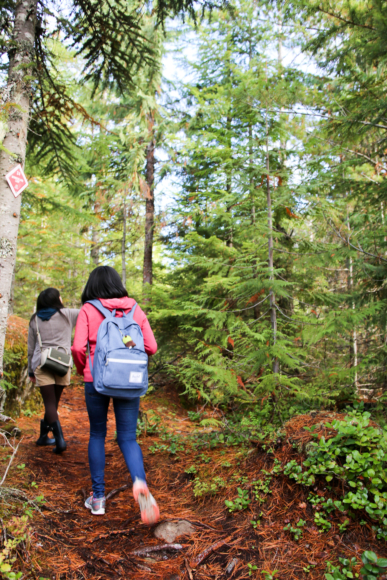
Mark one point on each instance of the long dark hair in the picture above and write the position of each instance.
(103, 282)
(48, 298)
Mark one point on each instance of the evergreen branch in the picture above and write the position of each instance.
(328, 118)
(243, 309)
(295, 319)
(348, 243)
(349, 22)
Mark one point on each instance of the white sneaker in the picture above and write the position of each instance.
(97, 506)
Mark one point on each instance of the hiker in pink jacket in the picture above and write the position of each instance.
(87, 327)
(105, 284)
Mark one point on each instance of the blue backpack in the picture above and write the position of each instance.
(119, 371)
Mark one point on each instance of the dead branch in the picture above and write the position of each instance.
(231, 566)
(112, 533)
(203, 555)
(188, 569)
(14, 451)
(145, 551)
(115, 491)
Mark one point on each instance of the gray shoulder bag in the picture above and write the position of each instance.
(53, 360)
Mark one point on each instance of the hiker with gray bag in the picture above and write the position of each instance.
(50, 361)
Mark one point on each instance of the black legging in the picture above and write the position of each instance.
(51, 396)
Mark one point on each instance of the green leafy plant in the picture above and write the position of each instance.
(204, 458)
(195, 415)
(297, 531)
(321, 522)
(157, 447)
(241, 502)
(211, 487)
(357, 456)
(256, 523)
(343, 526)
(252, 568)
(210, 422)
(373, 567)
(190, 470)
(148, 423)
(19, 528)
(269, 575)
(261, 488)
(342, 572)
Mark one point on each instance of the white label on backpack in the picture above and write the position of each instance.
(135, 377)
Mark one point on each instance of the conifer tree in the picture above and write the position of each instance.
(227, 283)
(347, 168)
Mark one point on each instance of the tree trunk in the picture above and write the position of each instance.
(256, 310)
(123, 247)
(12, 294)
(149, 205)
(353, 339)
(230, 239)
(273, 311)
(18, 91)
(94, 252)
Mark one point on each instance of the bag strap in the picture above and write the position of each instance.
(105, 312)
(131, 313)
(98, 305)
(37, 330)
(90, 365)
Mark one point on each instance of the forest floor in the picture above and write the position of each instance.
(67, 542)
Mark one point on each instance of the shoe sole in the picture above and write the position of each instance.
(100, 512)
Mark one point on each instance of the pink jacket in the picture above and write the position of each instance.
(87, 327)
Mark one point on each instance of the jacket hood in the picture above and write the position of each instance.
(46, 313)
(124, 303)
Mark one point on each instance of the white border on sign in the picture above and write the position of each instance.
(9, 174)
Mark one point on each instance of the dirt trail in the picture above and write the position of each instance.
(71, 544)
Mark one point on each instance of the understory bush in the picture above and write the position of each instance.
(355, 458)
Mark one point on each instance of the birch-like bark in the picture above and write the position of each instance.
(12, 294)
(16, 97)
(149, 205)
(123, 246)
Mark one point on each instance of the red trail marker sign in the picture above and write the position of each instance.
(17, 181)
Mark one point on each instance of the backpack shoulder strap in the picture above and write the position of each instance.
(105, 312)
(98, 305)
(131, 313)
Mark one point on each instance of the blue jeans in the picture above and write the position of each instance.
(126, 412)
